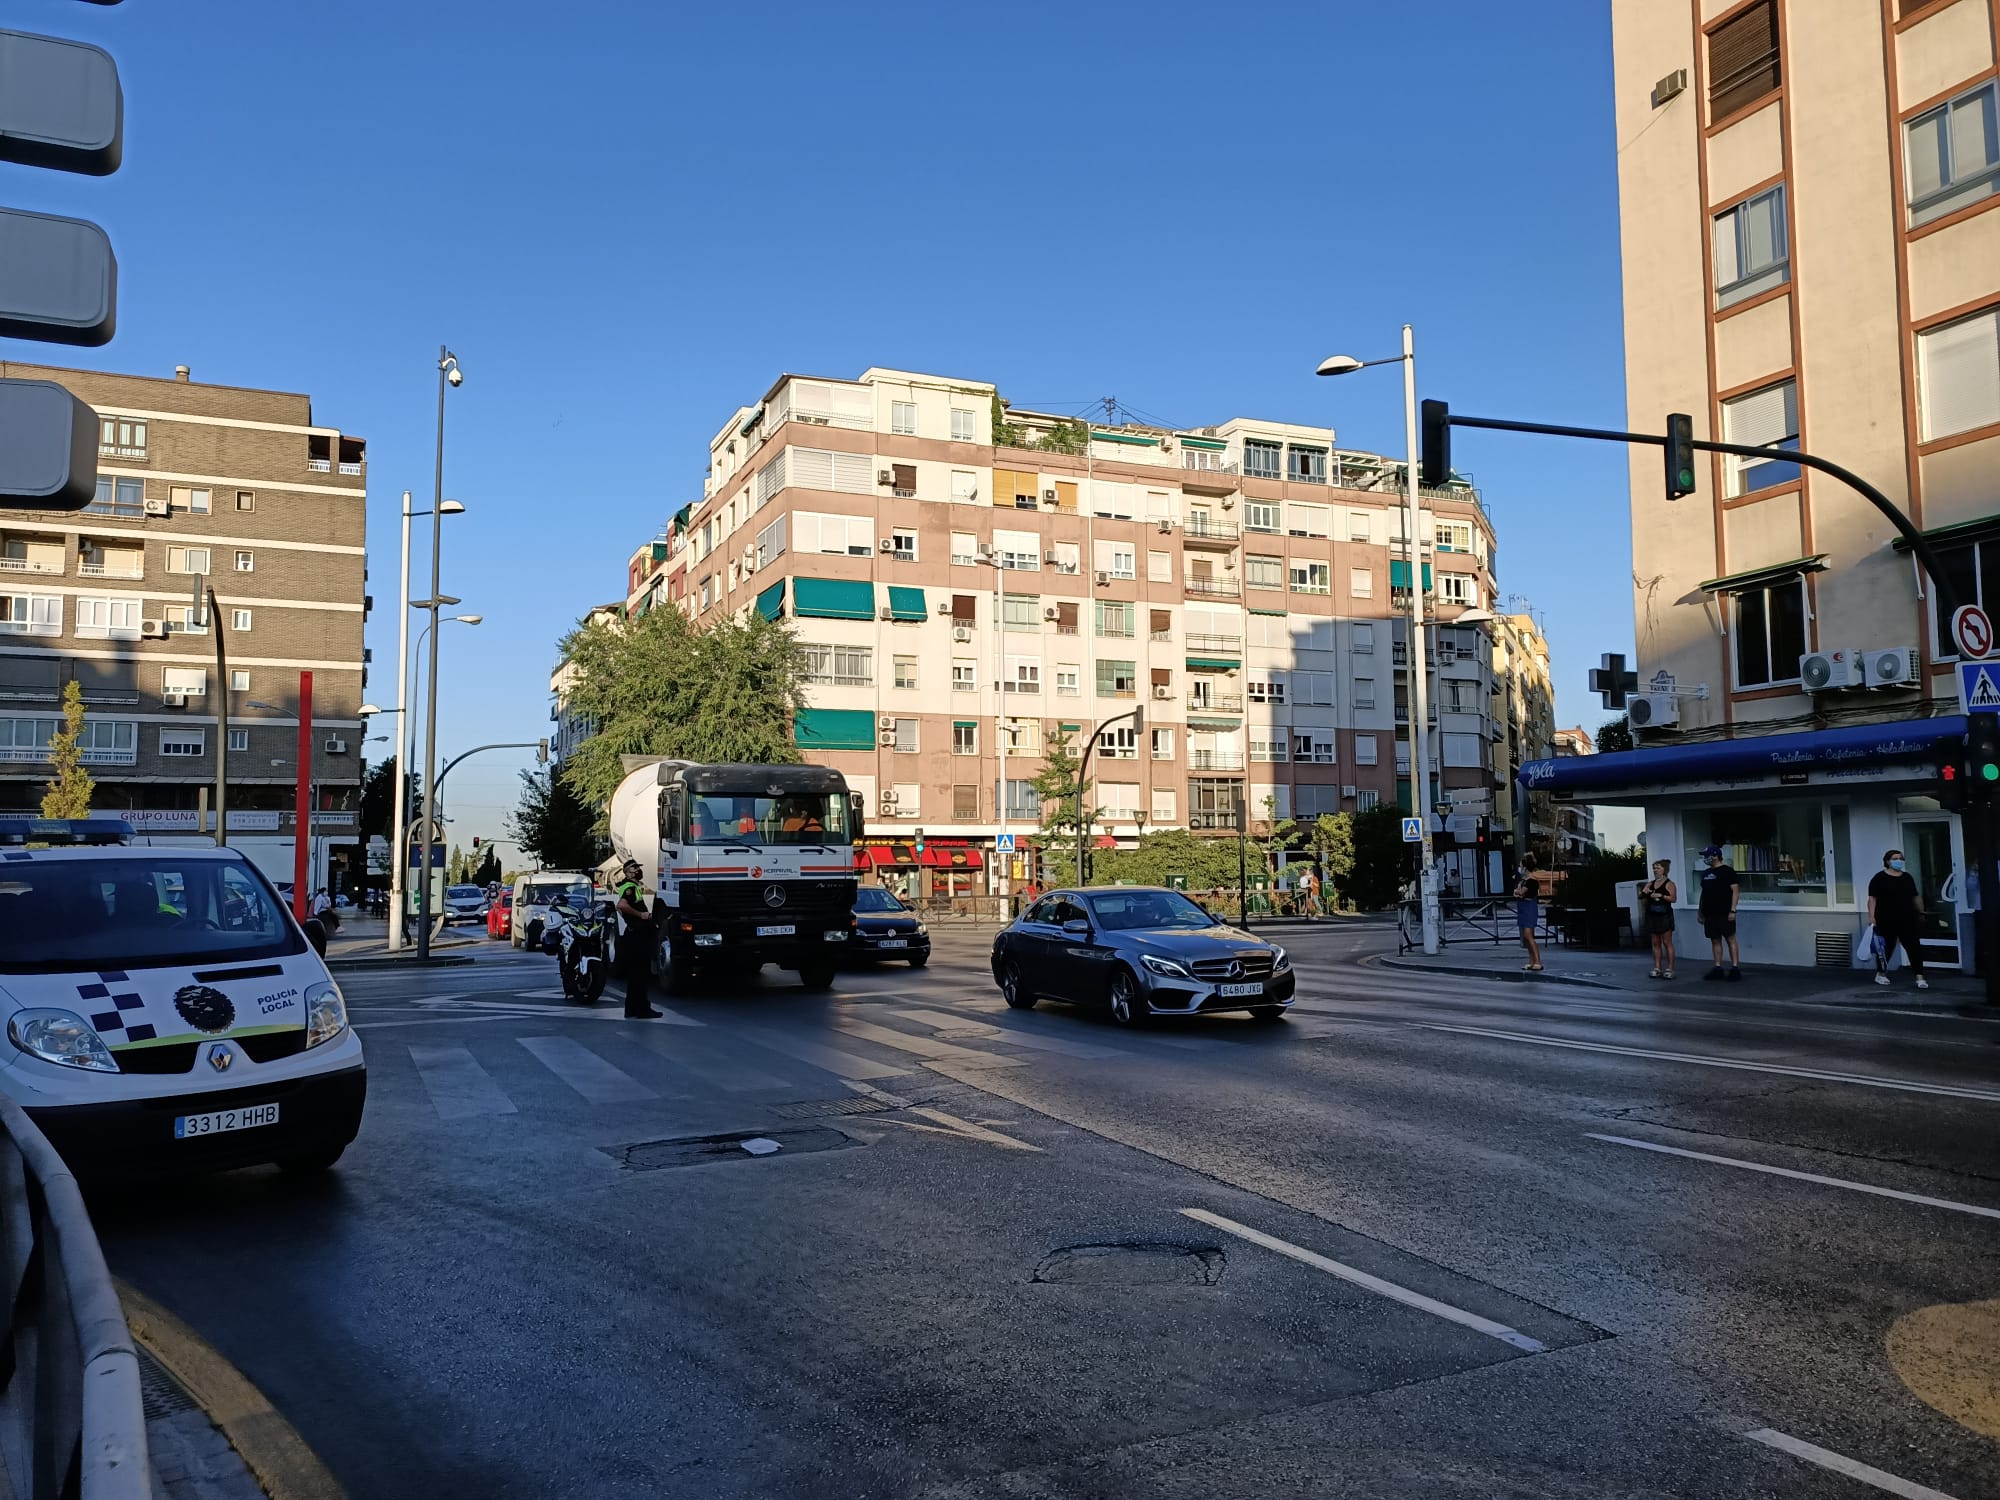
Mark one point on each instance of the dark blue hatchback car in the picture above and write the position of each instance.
(884, 928)
(1139, 951)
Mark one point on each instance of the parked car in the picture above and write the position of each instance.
(464, 903)
(500, 915)
(884, 928)
(1138, 951)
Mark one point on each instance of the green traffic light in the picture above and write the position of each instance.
(1988, 771)
(1687, 479)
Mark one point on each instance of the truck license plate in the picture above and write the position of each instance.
(1232, 990)
(187, 1127)
(785, 929)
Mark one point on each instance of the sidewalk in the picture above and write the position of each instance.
(363, 942)
(1629, 968)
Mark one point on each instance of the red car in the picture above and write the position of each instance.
(500, 916)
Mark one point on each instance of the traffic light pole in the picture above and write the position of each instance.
(1980, 828)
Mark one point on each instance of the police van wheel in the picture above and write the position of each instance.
(311, 1163)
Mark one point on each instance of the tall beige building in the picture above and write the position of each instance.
(243, 487)
(1810, 225)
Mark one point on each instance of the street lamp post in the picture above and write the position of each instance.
(430, 824)
(448, 374)
(1420, 756)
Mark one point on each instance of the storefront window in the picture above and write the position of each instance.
(1843, 858)
(1779, 852)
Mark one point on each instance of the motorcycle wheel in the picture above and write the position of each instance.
(593, 986)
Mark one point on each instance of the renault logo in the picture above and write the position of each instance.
(220, 1057)
(774, 896)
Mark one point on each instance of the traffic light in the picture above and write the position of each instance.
(475, 841)
(1982, 742)
(1435, 466)
(1680, 455)
(1951, 778)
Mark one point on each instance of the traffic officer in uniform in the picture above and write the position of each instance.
(635, 942)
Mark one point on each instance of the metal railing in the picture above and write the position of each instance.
(1215, 703)
(1215, 760)
(1195, 528)
(1469, 919)
(1204, 641)
(1215, 588)
(71, 1421)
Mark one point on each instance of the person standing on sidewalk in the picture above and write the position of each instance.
(1528, 911)
(1720, 891)
(1896, 911)
(635, 943)
(1656, 903)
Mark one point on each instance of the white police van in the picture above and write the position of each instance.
(162, 1009)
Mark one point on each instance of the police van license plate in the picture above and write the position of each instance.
(785, 929)
(187, 1127)
(1232, 990)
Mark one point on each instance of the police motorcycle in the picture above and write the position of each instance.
(575, 939)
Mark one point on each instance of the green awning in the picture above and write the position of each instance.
(1958, 534)
(1195, 721)
(906, 603)
(771, 603)
(1209, 443)
(1276, 614)
(1757, 578)
(833, 599)
(1214, 663)
(1399, 575)
(1099, 435)
(965, 723)
(834, 728)
(681, 518)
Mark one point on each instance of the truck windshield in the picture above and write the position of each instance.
(136, 911)
(794, 818)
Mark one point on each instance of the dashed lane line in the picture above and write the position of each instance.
(1840, 1463)
(1814, 1177)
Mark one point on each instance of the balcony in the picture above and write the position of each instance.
(1211, 531)
(1218, 478)
(813, 418)
(1214, 588)
(348, 468)
(1200, 643)
(114, 567)
(1164, 636)
(320, 465)
(1214, 703)
(30, 565)
(1215, 760)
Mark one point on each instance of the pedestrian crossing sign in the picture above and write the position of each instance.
(1979, 686)
(1413, 830)
(1004, 844)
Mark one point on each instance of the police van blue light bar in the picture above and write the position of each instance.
(65, 831)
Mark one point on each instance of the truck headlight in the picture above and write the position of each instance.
(708, 940)
(1165, 966)
(58, 1036)
(326, 1013)
(836, 934)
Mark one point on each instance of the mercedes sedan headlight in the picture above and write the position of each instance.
(326, 1014)
(1280, 959)
(58, 1036)
(1165, 966)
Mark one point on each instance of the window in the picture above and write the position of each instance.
(906, 671)
(1750, 249)
(903, 480)
(187, 559)
(965, 804)
(821, 469)
(1305, 465)
(1364, 692)
(964, 549)
(964, 484)
(246, 500)
(1364, 749)
(1024, 675)
(1463, 749)
(1460, 696)
(1069, 683)
(107, 619)
(1268, 750)
(1360, 526)
(1769, 628)
(183, 742)
(707, 592)
(1117, 618)
(964, 738)
(1066, 616)
(1117, 679)
(1068, 557)
(239, 739)
(1260, 459)
(1361, 583)
(964, 609)
(1021, 612)
(1311, 577)
(771, 543)
(1120, 742)
(903, 418)
(964, 676)
(964, 425)
(1264, 572)
(909, 799)
(906, 736)
(903, 545)
(1311, 520)
(1763, 419)
(33, 614)
(1458, 588)
(1019, 551)
(1266, 686)
(1117, 801)
(1777, 848)
(1368, 799)
(1119, 559)
(194, 502)
(1261, 515)
(1953, 154)
(193, 681)
(239, 620)
(1743, 60)
(1958, 374)
(239, 681)
(1163, 744)
(1163, 804)
(1024, 803)
(1454, 536)
(838, 536)
(121, 437)
(118, 497)
(1024, 736)
(246, 562)
(1159, 566)
(1364, 639)
(1321, 749)
(840, 666)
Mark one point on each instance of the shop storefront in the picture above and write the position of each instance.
(1803, 818)
(942, 869)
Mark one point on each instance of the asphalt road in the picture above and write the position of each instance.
(1425, 1238)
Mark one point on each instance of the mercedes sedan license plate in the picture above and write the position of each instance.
(895, 942)
(186, 1127)
(1232, 990)
(783, 930)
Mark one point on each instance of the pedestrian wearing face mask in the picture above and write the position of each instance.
(1896, 909)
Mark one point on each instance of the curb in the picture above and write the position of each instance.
(386, 962)
(269, 1446)
(1509, 976)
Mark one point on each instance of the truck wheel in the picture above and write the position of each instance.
(816, 976)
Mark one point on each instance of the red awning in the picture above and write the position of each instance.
(952, 857)
(886, 854)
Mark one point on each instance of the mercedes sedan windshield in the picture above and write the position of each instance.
(1120, 911)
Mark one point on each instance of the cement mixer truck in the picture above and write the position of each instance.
(753, 865)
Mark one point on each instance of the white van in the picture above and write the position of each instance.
(163, 1011)
(533, 895)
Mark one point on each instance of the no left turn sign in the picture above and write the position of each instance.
(1973, 631)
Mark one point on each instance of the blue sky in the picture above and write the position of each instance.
(628, 217)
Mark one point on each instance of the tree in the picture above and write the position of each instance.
(658, 686)
(1614, 734)
(553, 825)
(378, 800)
(489, 868)
(1005, 433)
(1204, 864)
(1332, 839)
(1382, 862)
(70, 788)
(458, 868)
(1058, 786)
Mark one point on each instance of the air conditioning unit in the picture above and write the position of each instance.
(1653, 711)
(174, 700)
(1229, 502)
(1103, 578)
(887, 544)
(1050, 612)
(886, 613)
(885, 476)
(1166, 525)
(1828, 671)
(153, 506)
(886, 721)
(152, 630)
(1161, 690)
(961, 632)
(1350, 792)
(944, 608)
(1894, 666)
(888, 799)
(86, 547)
(985, 549)
(1052, 558)
(336, 747)
(1447, 654)
(1048, 497)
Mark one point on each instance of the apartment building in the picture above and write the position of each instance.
(1524, 712)
(1575, 822)
(240, 488)
(1810, 202)
(972, 581)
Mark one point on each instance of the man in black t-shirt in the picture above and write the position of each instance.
(1720, 891)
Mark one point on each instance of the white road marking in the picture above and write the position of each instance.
(1826, 1458)
(567, 1012)
(458, 1086)
(922, 1046)
(1376, 1284)
(1012, 1036)
(845, 1064)
(954, 1125)
(584, 1071)
(1867, 1080)
(1839, 1182)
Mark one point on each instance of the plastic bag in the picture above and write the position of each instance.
(1869, 951)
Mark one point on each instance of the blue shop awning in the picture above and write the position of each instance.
(1849, 747)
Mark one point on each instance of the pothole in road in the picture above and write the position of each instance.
(742, 1145)
(1139, 1264)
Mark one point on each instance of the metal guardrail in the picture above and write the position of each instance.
(1471, 919)
(71, 1422)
